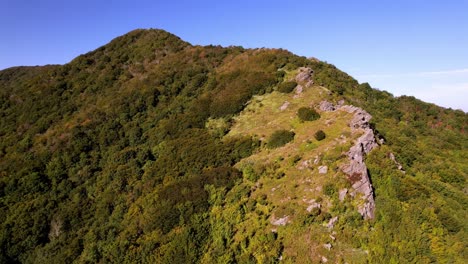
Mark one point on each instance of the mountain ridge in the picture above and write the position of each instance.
(149, 143)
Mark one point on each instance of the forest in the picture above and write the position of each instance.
(126, 155)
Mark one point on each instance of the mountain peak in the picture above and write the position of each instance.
(149, 149)
(137, 46)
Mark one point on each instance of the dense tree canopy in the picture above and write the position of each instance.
(111, 158)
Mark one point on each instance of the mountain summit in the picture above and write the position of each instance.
(153, 150)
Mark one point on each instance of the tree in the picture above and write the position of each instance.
(280, 138)
(287, 87)
(320, 135)
(307, 114)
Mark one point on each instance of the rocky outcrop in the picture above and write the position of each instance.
(359, 177)
(326, 106)
(356, 168)
(305, 76)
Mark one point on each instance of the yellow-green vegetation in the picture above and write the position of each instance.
(288, 180)
(152, 150)
(307, 114)
(279, 138)
(287, 87)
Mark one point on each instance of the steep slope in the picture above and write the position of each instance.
(150, 149)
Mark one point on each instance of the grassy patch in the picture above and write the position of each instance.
(286, 179)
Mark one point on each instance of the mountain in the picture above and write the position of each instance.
(153, 150)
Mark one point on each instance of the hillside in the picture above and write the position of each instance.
(153, 150)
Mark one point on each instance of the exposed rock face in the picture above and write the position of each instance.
(360, 119)
(356, 169)
(305, 75)
(326, 106)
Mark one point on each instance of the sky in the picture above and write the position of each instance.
(406, 47)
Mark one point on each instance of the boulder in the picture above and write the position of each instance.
(280, 221)
(284, 106)
(326, 106)
(323, 169)
(305, 75)
(313, 204)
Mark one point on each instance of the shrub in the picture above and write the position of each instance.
(250, 174)
(307, 114)
(287, 87)
(280, 138)
(320, 135)
(329, 189)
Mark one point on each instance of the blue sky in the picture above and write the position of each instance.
(407, 47)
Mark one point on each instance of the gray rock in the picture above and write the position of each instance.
(323, 169)
(284, 106)
(280, 221)
(299, 89)
(356, 169)
(55, 228)
(342, 194)
(360, 119)
(332, 222)
(303, 165)
(316, 160)
(313, 204)
(326, 106)
(398, 164)
(327, 246)
(305, 75)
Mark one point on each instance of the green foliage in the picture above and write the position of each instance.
(287, 87)
(120, 156)
(319, 135)
(280, 138)
(329, 189)
(307, 114)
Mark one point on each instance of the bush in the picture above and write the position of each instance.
(329, 189)
(307, 114)
(287, 87)
(320, 135)
(280, 138)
